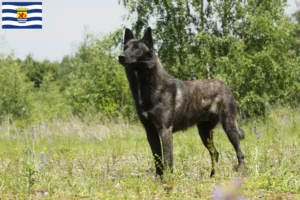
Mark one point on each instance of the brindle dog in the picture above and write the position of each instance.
(165, 104)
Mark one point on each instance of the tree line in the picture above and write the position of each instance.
(250, 45)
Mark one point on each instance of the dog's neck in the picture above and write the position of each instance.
(144, 79)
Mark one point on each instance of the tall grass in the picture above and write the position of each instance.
(102, 160)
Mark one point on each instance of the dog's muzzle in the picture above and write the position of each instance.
(121, 59)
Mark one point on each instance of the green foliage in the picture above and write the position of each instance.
(89, 83)
(15, 91)
(296, 45)
(97, 83)
(63, 72)
(36, 70)
(49, 102)
(249, 45)
(20, 100)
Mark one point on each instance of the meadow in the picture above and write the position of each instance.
(53, 145)
(96, 159)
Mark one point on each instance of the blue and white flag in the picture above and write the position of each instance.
(22, 15)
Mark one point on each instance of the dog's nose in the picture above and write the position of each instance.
(121, 58)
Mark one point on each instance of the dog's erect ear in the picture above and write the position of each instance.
(148, 38)
(128, 36)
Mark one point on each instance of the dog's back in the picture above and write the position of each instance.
(201, 100)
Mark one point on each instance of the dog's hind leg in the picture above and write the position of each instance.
(206, 134)
(234, 134)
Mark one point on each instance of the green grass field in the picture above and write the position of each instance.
(77, 160)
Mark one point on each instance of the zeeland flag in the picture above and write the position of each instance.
(22, 15)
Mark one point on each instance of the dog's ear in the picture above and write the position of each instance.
(148, 38)
(128, 36)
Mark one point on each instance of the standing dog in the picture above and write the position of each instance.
(166, 105)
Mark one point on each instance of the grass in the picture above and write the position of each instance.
(76, 160)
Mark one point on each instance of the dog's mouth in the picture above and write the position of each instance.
(121, 59)
(125, 61)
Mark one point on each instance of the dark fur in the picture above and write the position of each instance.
(166, 105)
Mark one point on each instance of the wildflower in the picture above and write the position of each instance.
(228, 192)
(43, 162)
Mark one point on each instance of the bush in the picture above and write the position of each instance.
(97, 83)
(15, 90)
(49, 102)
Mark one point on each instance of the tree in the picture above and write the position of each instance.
(15, 90)
(36, 70)
(296, 16)
(247, 44)
(97, 82)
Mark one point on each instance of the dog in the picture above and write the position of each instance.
(165, 104)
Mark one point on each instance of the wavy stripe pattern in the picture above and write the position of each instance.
(13, 7)
(22, 27)
(14, 15)
(19, 24)
(29, 11)
(21, 3)
(34, 15)
(16, 19)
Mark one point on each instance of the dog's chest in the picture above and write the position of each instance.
(144, 90)
(145, 105)
(149, 99)
(139, 89)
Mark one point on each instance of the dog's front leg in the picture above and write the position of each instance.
(154, 142)
(167, 144)
(158, 117)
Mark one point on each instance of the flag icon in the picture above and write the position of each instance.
(22, 15)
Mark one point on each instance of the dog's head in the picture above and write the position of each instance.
(136, 51)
